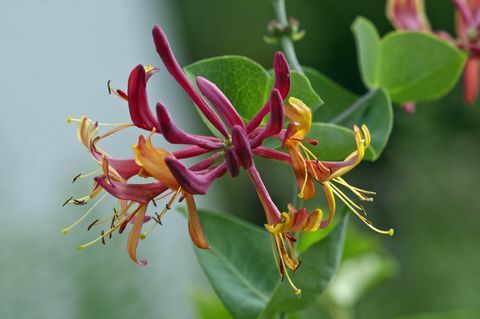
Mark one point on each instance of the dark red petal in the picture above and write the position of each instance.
(232, 161)
(220, 102)
(242, 146)
(191, 182)
(138, 105)
(171, 64)
(282, 74)
(176, 135)
(140, 193)
(275, 122)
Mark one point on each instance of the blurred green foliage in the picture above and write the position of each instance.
(426, 180)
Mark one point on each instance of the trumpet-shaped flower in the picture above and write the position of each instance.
(173, 181)
(308, 169)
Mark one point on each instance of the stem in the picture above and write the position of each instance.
(352, 108)
(287, 43)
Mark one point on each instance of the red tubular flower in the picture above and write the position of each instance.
(140, 111)
(220, 102)
(471, 80)
(174, 181)
(175, 135)
(166, 54)
(408, 15)
(282, 84)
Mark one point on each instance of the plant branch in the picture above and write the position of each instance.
(286, 42)
(352, 108)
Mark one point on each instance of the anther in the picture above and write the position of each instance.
(112, 224)
(154, 202)
(102, 234)
(92, 224)
(67, 201)
(76, 178)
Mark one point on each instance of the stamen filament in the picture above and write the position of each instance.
(345, 197)
(389, 232)
(71, 119)
(66, 230)
(80, 176)
(108, 232)
(354, 190)
(162, 213)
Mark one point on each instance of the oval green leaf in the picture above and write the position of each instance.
(239, 263)
(418, 67)
(344, 108)
(368, 48)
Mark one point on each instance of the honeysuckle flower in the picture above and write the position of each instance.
(410, 15)
(308, 169)
(173, 181)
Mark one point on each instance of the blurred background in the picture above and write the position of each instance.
(56, 57)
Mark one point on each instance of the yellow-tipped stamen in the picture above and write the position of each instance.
(111, 230)
(164, 195)
(286, 258)
(362, 218)
(80, 176)
(275, 254)
(345, 197)
(66, 230)
(344, 182)
(354, 190)
(117, 129)
(71, 119)
(297, 291)
(162, 213)
(292, 252)
(285, 270)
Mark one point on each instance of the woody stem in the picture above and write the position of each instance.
(287, 43)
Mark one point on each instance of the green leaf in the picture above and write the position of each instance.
(239, 264)
(344, 108)
(335, 97)
(208, 305)
(374, 109)
(335, 142)
(412, 66)
(242, 80)
(368, 48)
(301, 88)
(319, 264)
(418, 67)
(242, 271)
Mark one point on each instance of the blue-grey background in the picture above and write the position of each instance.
(55, 59)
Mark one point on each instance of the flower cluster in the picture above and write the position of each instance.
(171, 181)
(410, 15)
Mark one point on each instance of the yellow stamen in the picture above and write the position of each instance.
(345, 197)
(80, 176)
(297, 291)
(360, 194)
(346, 201)
(66, 230)
(162, 213)
(71, 119)
(111, 230)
